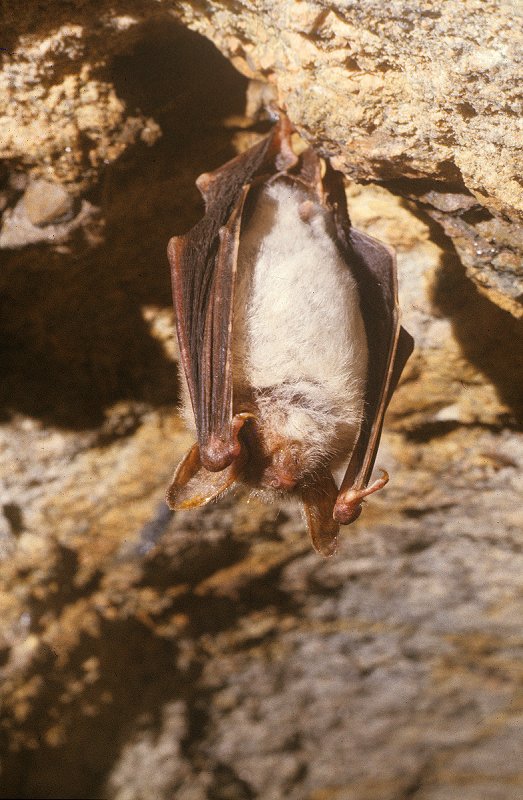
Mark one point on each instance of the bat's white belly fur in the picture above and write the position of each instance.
(299, 339)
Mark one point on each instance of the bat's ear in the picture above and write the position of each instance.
(193, 485)
(319, 498)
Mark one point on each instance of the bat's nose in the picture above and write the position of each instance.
(283, 482)
(286, 468)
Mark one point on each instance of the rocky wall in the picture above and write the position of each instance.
(212, 655)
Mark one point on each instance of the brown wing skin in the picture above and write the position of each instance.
(378, 292)
(203, 270)
(373, 264)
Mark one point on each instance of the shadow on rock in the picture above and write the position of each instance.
(489, 337)
(74, 339)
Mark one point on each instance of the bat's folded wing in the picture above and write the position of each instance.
(203, 271)
(373, 264)
(389, 348)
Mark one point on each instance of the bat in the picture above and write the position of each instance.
(288, 328)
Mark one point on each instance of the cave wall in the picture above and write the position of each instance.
(212, 654)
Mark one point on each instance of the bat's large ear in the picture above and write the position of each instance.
(193, 485)
(318, 499)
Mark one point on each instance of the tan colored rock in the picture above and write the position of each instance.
(392, 90)
(212, 653)
(391, 93)
(46, 202)
(17, 229)
(401, 91)
(58, 116)
(115, 640)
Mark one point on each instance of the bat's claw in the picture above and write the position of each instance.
(348, 505)
(218, 454)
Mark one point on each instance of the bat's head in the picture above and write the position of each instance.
(271, 465)
(275, 461)
(286, 467)
(261, 456)
(291, 439)
(273, 456)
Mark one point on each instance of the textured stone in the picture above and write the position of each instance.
(400, 94)
(46, 202)
(18, 230)
(212, 655)
(391, 90)
(230, 660)
(58, 116)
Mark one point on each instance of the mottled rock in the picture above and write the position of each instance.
(59, 116)
(228, 660)
(212, 655)
(401, 92)
(392, 90)
(47, 202)
(397, 94)
(18, 230)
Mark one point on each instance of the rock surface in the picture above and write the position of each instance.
(396, 90)
(18, 229)
(46, 202)
(401, 91)
(212, 655)
(390, 93)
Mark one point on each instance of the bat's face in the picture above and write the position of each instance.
(286, 468)
(274, 463)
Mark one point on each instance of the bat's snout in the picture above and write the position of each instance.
(286, 468)
(284, 483)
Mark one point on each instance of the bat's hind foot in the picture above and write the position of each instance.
(348, 505)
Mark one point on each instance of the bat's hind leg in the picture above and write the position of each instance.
(348, 505)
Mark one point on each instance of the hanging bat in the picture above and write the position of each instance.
(288, 328)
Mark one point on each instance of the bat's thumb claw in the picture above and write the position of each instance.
(218, 454)
(221, 449)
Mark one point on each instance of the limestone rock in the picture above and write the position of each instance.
(59, 116)
(18, 230)
(391, 93)
(47, 202)
(212, 654)
(401, 91)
